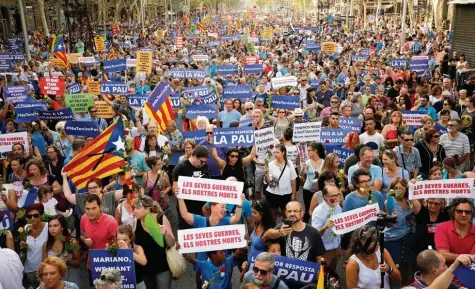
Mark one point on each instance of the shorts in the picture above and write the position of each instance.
(259, 180)
(277, 201)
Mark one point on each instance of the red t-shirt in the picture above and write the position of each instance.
(446, 238)
(102, 231)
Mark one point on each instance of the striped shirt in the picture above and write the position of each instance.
(455, 146)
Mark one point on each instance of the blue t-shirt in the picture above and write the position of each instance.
(227, 117)
(213, 169)
(353, 201)
(139, 165)
(39, 141)
(230, 210)
(375, 171)
(211, 272)
(430, 111)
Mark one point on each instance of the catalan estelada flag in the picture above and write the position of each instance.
(58, 49)
(159, 106)
(102, 158)
(112, 54)
(201, 27)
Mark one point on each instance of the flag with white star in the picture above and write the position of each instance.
(103, 157)
(58, 49)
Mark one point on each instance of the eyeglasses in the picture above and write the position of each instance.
(209, 132)
(451, 125)
(248, 109)
(261, 271)
(436, 136)
(33, 216)
(93, 111)
(93, 188)
(407, 139)
(431, 203)
(188, 148)
(281, 112)
(334, 196)
(293, 211)
(364, 181)
(466, 212)
(234, 156)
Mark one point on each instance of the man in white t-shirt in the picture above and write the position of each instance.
(371, 137)
(153, 129)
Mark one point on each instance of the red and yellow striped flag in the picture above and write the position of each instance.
(102, 158)
(159, 105)
(201, 27)
(112, 54)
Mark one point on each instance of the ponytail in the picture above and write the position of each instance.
(156, 208)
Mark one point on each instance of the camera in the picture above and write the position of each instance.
(384, 220)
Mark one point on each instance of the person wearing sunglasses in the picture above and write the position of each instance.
(247, 118)
(37, 232)
(455, 142)
(408, 156)
(93, 112)
(262, 273)
(196, 166)
(456, 236)
(431, 152)
(432, 212)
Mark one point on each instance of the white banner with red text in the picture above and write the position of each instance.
(354, 219)
(442, 189)
(209, 190)
(211, 238)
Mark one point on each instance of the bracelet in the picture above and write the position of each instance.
(390, 270)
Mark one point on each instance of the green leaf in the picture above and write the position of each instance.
(153, 229)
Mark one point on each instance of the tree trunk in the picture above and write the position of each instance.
(41, 11)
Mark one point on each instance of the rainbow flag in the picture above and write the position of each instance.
(159, 105)
(58, 49)
(101, 158)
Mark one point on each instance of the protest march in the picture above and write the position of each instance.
(238, 146)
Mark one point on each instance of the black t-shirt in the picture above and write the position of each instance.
(425, 229)
(305, 245)
(392, 93)
(186, 169)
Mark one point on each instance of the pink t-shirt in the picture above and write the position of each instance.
(102, 231)
(446, 238)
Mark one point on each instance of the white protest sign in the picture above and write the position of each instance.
(7, 140)
(444, 189)
(413, 117)
(211, 238)
(200, 57)
(87, 60)
(208, 190)
(264, 138)
(354, 219)
(278, 82)
(131, 62)
(307, 131)
(213, 34)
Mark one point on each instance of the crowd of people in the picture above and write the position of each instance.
(292, 191)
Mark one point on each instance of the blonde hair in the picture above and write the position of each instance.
(329, 162)
(425, 119)
(148, 202)
(52, 261)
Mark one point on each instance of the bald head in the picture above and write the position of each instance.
(429, 259)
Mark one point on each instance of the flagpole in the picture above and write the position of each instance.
(23, 27)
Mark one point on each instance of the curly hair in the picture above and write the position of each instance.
(52, 261)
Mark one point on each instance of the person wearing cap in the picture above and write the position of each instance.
(143, 87)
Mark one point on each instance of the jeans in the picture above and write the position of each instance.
(159, 281)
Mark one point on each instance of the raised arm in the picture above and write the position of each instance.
(250, 157)
(221, 163)
(188, 217)
(67, 190)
